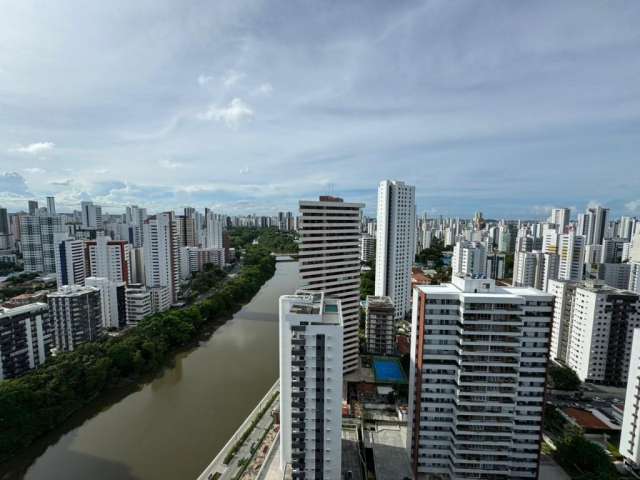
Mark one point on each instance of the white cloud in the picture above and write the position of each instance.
(232, 115)
(34, 148)
(61, 183)
(594, 204)
(244, 170)
(232, 77)
(34, 170)
(204, 79)
(265, 89)
(633, 206)
(170, 164)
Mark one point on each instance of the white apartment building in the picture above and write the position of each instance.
(395, 243)
(25, 337)
(91, 216)
(477, 377)
(615, 275)
(469, 258)
(138, 303)
(560, 218)
(528, 269)
(70, 261)
(571, 256)
(162, 254)
(112, 301)
(193, 259)
(75, 313)
(630, 435)
(329, 259)
(214, 228)
(593, 330)
(311, 385)
(109, 259)
(367, 248)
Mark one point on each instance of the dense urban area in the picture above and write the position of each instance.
(444, 347)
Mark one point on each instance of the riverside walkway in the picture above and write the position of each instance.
(246, 450)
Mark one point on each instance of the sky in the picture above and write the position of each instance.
(505, 107)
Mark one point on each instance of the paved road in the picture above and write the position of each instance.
(229, 471)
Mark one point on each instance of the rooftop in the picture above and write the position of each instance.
(389, 451)
(469, 291)
(313, 304)
(72, 290)
(10, 312)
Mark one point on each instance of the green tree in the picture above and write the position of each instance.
(563, 378)
(585, 459)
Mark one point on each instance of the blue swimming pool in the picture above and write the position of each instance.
(388, 370)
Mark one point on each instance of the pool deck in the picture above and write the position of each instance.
(388, 370)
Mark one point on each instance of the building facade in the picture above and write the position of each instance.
(380, 325)
(329, 259)
(75, 313)
(395, 243)
(310, 385)
(25, 339)
(477, 376)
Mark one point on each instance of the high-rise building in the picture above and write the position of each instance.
(138, 302)
(571, 256)
(162, 253)
(25, 339)
(37, 233)
(630, 435)
(380, 325)
(51, 205)
(496, 263)
(33, 207)
(528, 269)
(469, 258)
(615, 275)
(560, 218)
(612, 249)
(395, 243)
(477, 377)
(214, 227)
(108, 258)
(75, 314)
(593, 225)
(69, 260)
(91, 216)
(112, 301)
(310, 385)
(4, 222)
(593, 326)
(367, 248)
(634, 277)
(329, 259)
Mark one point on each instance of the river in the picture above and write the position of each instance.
(172, 427)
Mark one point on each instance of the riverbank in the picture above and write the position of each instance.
(43, 400)
(171, 427)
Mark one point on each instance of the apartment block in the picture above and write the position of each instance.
(25, 339)
(477, 379)
(380, 325)
(329, 259)
(310, 385)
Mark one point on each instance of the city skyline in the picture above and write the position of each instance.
(274, 104)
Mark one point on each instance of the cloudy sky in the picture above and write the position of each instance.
(247, 106)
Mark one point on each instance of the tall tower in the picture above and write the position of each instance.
(330, 260)
(162, 253)
(395, 243)
(477, 376)
(310, 385)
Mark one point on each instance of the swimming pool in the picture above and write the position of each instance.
(388, 370)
